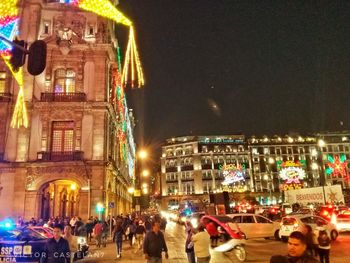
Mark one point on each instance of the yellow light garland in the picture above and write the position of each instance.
(106, 9)
(8, 8)
(132, 60)
(20, 116)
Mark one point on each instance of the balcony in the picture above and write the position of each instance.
(63, 97)
(187, 179)
(5, 97)
(171, 169)
(171, 180)
(187, 167)
(206, 166)
(60, 156)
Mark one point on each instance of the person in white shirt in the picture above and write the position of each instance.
(201, 241)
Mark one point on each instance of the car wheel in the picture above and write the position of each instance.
(277, 235)
(334, 234)
(284, 239)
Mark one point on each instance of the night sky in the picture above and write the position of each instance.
(254, 67)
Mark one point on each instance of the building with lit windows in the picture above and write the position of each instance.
(194, 166)
(71, 157)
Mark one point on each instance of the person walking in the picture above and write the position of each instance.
(139, 235)
(189, 245)
(118, 233)
(98, 233)
(324, 246)
(56, 249)
(154, 244)
(297, 250)
(201, 241)
(72, 241)
(132, 232)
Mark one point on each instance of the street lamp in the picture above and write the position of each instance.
(143, 154)
(145, 173)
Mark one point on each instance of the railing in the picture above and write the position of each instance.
(63, 97)
(187, 167)
(171, 169)
(206, 166)
(187, 179)
(5, 97)
(171, 180)
(60, 156)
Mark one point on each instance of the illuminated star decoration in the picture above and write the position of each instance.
(132, 65)
(337, 166)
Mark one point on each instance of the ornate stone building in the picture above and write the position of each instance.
(69, 159)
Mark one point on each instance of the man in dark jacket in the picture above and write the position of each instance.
(297, 253)
(56, 249)
(154, 244)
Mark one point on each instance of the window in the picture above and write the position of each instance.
(237, 219)
(62, 136)
(262, 220)
(64, 80)
(2, 81)
(46, 27)
(248, 219)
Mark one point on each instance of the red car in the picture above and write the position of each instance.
(223, 223)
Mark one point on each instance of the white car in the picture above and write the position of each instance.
(255, 226)
(292, 223)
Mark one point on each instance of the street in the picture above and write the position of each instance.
(258, 251)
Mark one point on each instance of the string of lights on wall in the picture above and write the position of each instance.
(132, 69)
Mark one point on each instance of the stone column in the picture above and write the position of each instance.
(35, 138)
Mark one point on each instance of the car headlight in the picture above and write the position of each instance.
(81, 241)
(183, 219)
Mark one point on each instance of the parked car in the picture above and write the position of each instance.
(292, 223)
(255, 226)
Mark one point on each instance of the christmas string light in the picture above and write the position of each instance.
(132, 60)
(20, 116)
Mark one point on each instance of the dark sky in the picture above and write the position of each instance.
(252, 67)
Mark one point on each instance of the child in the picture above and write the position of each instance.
(324, 246)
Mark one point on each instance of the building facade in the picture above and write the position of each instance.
(262, 168)
(71, 157)
(194, 165)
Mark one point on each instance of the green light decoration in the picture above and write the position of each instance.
(337, 166)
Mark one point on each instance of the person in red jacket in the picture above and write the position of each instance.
(212, 230)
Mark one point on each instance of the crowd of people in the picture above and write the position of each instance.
(147, 234)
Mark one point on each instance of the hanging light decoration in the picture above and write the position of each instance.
(132, 61)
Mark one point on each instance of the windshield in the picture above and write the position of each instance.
(20, 235)
(288, 221)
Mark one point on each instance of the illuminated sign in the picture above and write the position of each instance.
(232, 173)
(292, 173)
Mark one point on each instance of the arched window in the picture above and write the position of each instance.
(64, 80)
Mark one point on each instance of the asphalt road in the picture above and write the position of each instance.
(258, 250)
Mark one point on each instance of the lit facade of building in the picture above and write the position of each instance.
(193, 165)
(70, 158)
